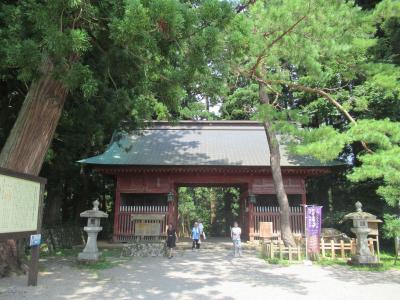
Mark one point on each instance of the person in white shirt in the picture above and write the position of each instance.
(235, 235)
(202, 234)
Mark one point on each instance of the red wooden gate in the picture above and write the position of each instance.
(127, 224)
(272, 214)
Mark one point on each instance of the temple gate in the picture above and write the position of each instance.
(150, 165)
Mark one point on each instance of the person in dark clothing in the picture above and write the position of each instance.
(171, 240)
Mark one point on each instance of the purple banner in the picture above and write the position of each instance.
(313, 223)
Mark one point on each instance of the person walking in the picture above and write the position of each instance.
(236, 231)
(202, 233)
(171, 240)
(195, 236)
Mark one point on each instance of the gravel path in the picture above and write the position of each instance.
(207, 274)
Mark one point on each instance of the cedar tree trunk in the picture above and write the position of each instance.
(29, 140)
(275, 159)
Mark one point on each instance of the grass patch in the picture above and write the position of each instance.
(386, 260)
(109, 258)
(331, 262)
(277, 261)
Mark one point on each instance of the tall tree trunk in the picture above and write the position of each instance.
(275, 159)
(81, 201)
(30, 138)
(53, 206)
(33, 131)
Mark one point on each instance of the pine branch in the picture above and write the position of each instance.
(317, 91)
(275, 41)
(244, 6)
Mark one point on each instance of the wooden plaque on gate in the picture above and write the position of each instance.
(147, 229)
(266, 229)
(147, 217)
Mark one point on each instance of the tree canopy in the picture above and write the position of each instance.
(330, 70)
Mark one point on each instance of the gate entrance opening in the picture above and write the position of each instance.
(216, 207)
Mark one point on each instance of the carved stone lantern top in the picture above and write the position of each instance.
(359, 214)
(94, 212)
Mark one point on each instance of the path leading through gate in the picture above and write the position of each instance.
(211, 273)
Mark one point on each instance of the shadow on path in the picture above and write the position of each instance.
(206, 274)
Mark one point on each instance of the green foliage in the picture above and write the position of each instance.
(242, 103)
(392, 226)
(128, 61)
(383, 136)
(350, 53)
(386, 260)
(277, 261)
(195, 111)
(123, 62)
(217, 208)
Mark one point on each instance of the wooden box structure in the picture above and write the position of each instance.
(152, 164)
(374, 235)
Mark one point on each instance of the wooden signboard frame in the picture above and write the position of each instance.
(266, 230)
(34, 262)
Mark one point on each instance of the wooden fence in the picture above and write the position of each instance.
(276, 249)
(272, 214)
(131, 220)
(329, 249)
(344, 249)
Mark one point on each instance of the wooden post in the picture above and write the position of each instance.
(176, 212)
(171, 213)
(290, 253)
(342, 249)
(280, 251)
(272, 249)
(371, 245)
(333, 249)
(35, 252)
(303, 195)
(34, 266)
(298, 252)
(251, 221)
(377, 248)
(352, 247)
(116, 211)
(323, 247)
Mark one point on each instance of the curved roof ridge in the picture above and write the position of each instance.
(200, 143)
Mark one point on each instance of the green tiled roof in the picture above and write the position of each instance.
(198, 143)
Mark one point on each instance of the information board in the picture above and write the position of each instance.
(19, 202)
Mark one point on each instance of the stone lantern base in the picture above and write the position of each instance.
(364, 260)
(91, 252)
(89, 257)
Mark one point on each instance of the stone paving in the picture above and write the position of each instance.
(211, 273)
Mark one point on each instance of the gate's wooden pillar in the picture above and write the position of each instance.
(176, 211)
(116, 211)
(171, 212)
(248, 210)
(303, 192)
(251, 221)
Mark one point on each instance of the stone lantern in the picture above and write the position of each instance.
(360, 228)
(91, 252)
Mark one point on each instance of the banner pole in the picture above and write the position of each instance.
(307, 262)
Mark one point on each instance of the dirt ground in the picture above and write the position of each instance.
(211, 273)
